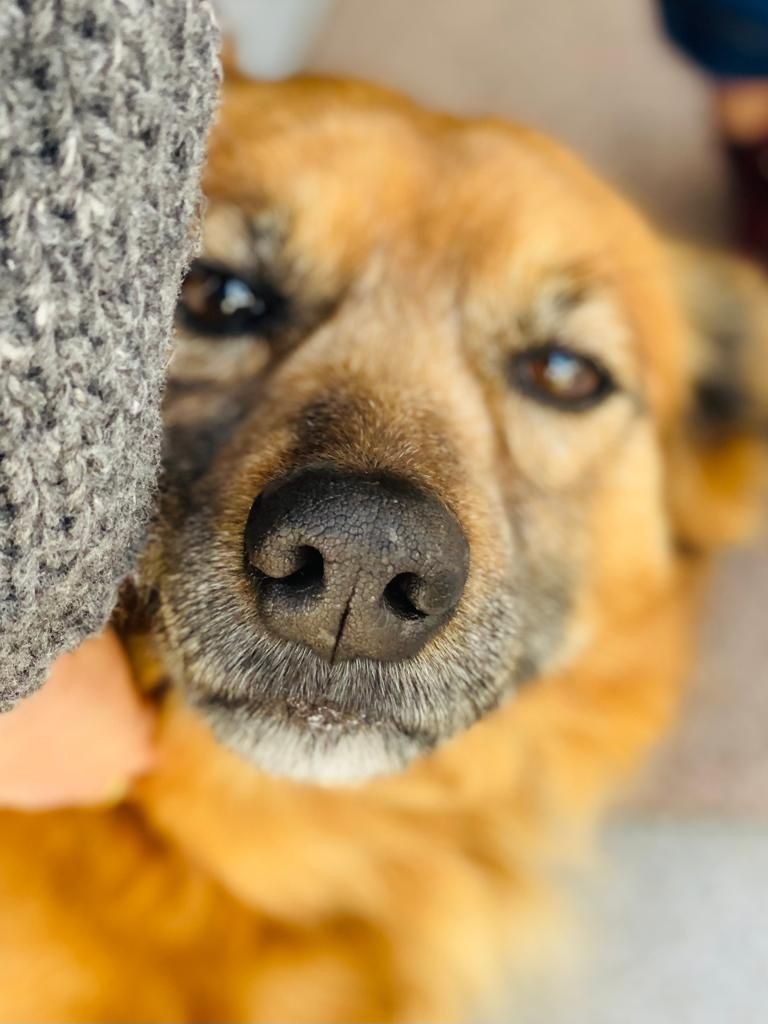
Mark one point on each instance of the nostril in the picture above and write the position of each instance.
(307, 570)
(398, 596)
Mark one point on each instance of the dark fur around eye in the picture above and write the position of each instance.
(559, 377)
(216, 302)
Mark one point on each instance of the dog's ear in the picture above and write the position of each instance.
(719, 452)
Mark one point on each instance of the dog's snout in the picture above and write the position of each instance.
(355, 566)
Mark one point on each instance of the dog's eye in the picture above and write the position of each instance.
(217, 303)
(560, 377)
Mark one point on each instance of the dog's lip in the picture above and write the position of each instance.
(321, 716)
(326, 716)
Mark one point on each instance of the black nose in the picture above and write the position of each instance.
(355, 566)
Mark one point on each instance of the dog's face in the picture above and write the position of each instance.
(417, 412)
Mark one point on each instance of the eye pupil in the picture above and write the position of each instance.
(560, 377)
(218, 303)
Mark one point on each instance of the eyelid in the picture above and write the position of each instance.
(584, 313)
(566, 347)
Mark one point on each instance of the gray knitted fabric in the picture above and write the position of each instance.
(104, 110)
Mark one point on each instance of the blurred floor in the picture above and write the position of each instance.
(680, 929)
(676, 931)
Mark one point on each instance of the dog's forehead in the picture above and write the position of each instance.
(357, 167)
(343, 173)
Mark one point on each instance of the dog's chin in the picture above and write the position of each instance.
(315, 744)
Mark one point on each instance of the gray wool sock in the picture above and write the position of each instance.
(104, 110)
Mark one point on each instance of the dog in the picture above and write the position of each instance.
(452, 435)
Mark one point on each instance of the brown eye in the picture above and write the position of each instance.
(560, 377)
(218, 303)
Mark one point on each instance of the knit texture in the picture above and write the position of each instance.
(104, 110)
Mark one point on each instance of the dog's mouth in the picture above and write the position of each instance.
(322, 718)
(327, 717)
(314, 741)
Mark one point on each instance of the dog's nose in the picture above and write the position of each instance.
(355, 566)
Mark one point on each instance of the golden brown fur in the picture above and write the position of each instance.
(216, 892)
